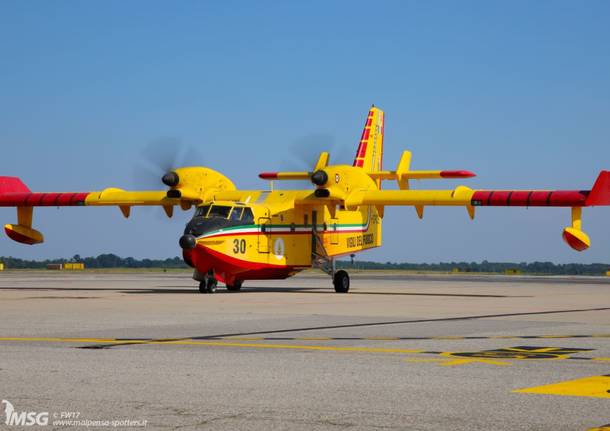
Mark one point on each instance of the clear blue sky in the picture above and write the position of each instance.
(517, 91)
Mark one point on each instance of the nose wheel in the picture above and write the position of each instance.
(207, 281)
(208, 286)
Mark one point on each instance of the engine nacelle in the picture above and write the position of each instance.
(195, 182)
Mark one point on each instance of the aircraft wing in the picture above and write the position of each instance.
(464, 196)
(14, 193)
(469, 198)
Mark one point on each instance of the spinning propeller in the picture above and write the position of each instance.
(161, 157)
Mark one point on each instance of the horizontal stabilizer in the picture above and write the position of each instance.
(284, 175)
(421, 175)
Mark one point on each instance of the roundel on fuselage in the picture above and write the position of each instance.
(279, 248)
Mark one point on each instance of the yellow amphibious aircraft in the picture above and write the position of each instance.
(238, 235)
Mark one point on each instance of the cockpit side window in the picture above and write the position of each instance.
(202, 211)
(236, 213)
(219, 211)
(247, 217)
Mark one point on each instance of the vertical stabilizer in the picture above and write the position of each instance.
(370, 151)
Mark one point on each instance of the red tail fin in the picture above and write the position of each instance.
(370, 150)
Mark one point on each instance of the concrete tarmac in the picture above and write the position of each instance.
(408, 352)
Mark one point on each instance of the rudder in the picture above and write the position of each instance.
(370, 150)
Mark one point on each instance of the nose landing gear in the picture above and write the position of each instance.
(208, 286)
(207, 281)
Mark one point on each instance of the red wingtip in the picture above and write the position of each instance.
(457, 174)
(600, 193)
(268, 175)
(12, 185)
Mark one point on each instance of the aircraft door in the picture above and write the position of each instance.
(263, 234)
(314, 229)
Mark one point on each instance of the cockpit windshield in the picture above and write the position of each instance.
(202, 211)
(236, 214)
(247, 217)
(220, 211)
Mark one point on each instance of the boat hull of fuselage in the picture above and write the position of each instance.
(229, 269)
(278, 250)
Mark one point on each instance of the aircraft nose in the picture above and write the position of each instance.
(187, 242)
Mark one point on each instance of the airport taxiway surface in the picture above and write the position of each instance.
(398, 352)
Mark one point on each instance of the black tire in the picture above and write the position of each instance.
(341, 282)
(203, 287)
(235, 287)
(211, 285)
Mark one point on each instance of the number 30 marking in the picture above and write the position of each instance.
(239, 246)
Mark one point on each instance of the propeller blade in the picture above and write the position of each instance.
(161, 157)
(304, 152)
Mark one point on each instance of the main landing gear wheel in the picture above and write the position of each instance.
(235, 287)
(208, 285)
(341, 281)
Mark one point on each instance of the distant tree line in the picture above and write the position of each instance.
(541, 268)
(108, 260)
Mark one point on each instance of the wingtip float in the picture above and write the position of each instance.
(236, 235)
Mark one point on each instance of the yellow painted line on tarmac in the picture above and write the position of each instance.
(596, 386)
(602, 428)
(215, 344)
(423, 360)
(450, 358)
(371, 338)
(290, 346)
(454, 362)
